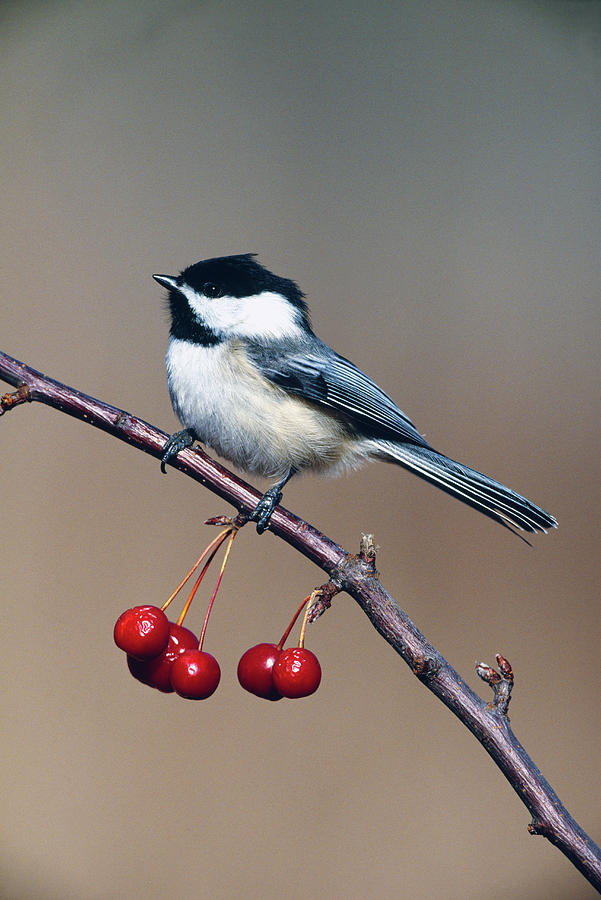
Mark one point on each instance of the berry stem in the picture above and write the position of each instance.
(284, 637)
(233, 533)
(217, 541)
(314, 594)
(184, 611)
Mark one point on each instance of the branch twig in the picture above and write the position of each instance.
(355, 574)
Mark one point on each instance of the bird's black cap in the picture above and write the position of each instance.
(241, 276)
(224, 276)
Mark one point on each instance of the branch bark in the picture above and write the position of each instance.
(355, 574)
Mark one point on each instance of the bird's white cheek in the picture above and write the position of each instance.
(198, 303)
(264, 315)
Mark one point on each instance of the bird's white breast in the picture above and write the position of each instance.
(245, 418)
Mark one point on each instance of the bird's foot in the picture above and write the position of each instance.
(261, 514)
(181, 440)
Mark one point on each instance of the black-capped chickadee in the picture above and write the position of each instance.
(249, 378)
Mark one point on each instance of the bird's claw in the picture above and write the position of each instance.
(181, 440)
(261, 514)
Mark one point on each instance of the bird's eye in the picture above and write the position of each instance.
(211, 290)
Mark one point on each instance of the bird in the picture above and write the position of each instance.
(249, 378)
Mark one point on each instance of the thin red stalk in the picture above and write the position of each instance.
(184, 611)
(311, 598)
(214, 594)
(218, 540)
(284, 637)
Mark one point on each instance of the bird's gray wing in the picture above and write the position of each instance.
(328, 379)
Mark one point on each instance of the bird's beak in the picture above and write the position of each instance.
(167, 281)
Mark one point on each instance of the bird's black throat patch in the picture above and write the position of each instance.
(185, 325)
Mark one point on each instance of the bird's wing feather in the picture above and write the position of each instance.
(331, 380)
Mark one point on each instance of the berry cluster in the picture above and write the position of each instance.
(166, 656)
(272, 673)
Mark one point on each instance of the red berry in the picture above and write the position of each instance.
(142, 631)
(296, 672)
(195, 675)
(255, 671)
(156, 671)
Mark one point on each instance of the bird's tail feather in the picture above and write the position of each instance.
(477, 490)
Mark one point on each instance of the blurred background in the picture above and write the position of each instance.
(428, 173)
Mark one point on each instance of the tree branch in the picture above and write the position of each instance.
(355, 574)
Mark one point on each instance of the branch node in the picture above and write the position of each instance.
(15, 398)
(236, 522)
(426, 668)
(539, 828)
(368, 550)
(322, 600)
(504, 667)
(122, 420)
(500, 681)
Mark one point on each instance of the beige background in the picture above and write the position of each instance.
(428, 172)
